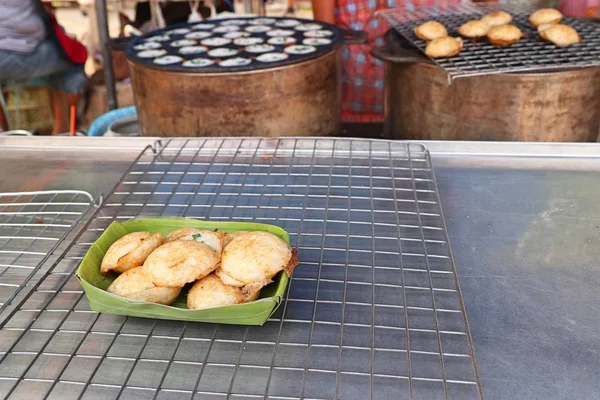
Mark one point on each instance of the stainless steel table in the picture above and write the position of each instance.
(523, 224)
(524, 227)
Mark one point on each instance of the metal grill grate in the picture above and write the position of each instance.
(482, 58)
(372, 312)
(32, 225)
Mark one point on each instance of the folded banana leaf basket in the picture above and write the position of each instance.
(95, 285)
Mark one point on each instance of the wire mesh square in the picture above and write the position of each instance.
(374, 310)
(32, 226)
(477, 58)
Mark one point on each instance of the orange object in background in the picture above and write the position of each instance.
(73, 121)
(578, 8)
(592, 12)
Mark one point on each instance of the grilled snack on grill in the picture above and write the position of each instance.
(444, 47)
(474, 29)
(251, 260)
(135, 284)
(545, 16)
(497, 18)
(561, 35)
(431, 30)
(130, 251)
(176, 263)
(209, 238)
(504, 35)
(211, 292)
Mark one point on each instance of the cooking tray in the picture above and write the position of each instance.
(95, 285)
(531, 53)
(338, 37)
(373, 311)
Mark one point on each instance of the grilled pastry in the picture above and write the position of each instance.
(544, 27)
(444, 47)
(431, 30)
(504, 35)
(497, 18)
(229, 236)
(130, 251)
(135, 284)
(251, 260)
(474, 29)
(545, 16)
(176, 263)
(561, 35)
(211, 292)
(209, 238)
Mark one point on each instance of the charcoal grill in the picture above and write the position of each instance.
(481, 58)
(259, 98)
(531, 91)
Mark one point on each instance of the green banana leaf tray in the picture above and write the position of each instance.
(94, 284)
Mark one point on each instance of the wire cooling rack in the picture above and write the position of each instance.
(32, 225)
(531, 53)
(373, 311)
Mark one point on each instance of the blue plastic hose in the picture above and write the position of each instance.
(101, 124)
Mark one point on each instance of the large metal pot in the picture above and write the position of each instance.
(297, 100)
(300, 99)
(550, 106)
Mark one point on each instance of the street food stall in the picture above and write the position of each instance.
(389, 269)
(269, 73)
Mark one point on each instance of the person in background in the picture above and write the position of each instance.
(29, 49)
(362, 74)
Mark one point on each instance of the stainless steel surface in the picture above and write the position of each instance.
(372, 312)
(524, 233)
(521, 219)
(482, 58)
(62, 163)
(32, 226)
(109, 76)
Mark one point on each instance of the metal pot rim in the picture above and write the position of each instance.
(540, 74)
(235, 73)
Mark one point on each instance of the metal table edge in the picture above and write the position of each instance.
(435, 147)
